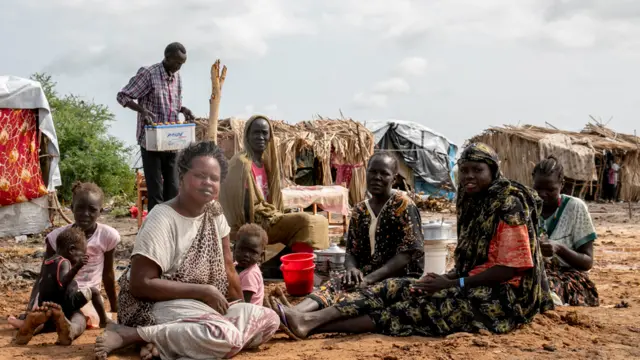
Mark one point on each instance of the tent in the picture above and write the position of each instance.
(426, 157)
(29, 156)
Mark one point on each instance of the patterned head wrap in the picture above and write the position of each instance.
(480, 152)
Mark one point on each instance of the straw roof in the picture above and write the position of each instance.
(598, 136)
(332, 140)
(520, 147)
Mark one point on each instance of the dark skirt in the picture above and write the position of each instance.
(572, 286)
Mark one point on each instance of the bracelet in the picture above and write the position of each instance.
(461, 281)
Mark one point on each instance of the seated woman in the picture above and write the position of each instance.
(497, 283)
(182, 293)
(568, 238)
(252, 194)
(384, 240)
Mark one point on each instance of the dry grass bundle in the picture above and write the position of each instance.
(518, 147)
(343, 140)
(432, 204)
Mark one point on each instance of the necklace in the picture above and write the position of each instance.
(543, 225)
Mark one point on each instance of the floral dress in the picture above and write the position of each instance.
(397, 229)
(495, 229)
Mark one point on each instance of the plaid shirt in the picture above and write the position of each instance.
(156, 91)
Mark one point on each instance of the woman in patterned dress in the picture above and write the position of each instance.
(384, 238)
(497, 284)
(567, 240)
(181, 295)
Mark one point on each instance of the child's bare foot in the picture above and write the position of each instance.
(63, 325)
(148, 352)
(115, 337)
(35, 319)
(15, 322)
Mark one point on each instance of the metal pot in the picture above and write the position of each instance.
(331, 259)
(437, 230)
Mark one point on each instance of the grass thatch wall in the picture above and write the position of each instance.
(344, 138)
(519, 151)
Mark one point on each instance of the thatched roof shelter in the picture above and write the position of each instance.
(332, 141)
(581, 153)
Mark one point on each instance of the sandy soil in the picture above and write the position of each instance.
(611, 331)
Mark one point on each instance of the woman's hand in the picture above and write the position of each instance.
(431, 283)
(214, 298)
(548, 248)
(353, 277)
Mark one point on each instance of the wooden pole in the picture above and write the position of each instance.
(633, 179)
(217, 80)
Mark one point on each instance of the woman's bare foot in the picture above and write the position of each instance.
(15, 322)
(35, 319)
(292, 320)
(115, 337)
(148, 352)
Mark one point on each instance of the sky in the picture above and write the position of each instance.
(456, 66)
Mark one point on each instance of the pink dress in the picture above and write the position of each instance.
(251, 280)
(103, 240)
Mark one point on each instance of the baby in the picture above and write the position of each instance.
(249, 252)
(60, 300)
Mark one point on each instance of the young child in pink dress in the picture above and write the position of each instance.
(248, 252)
(102, 239)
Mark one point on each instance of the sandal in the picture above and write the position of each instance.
(284, 325)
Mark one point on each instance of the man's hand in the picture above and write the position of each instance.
(147, 116)
(188, 115)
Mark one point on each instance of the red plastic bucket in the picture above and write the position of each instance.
(297, 261)
(299, 282)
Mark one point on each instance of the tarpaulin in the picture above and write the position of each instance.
(20, 174)
(426, 152)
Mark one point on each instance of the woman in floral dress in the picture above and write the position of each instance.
(384, 238)
(498, 282)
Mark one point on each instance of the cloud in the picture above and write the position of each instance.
(363, 100)
(566, 24)
(412, 66)
(116, 37)
(395, 85)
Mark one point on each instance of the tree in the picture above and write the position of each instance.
(87, 152)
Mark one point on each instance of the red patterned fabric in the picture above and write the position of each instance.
(20, 174)
(509, 247)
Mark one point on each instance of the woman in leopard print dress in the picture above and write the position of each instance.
(181, 295)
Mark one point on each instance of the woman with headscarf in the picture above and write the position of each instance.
(498, 282)
(567, 238)
(252, 194)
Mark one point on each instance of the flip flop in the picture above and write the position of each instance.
(284, 325)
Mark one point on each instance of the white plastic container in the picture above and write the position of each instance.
(170, 137)
(435, 256)
(437, 235)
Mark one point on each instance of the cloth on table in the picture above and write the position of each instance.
(331, 198)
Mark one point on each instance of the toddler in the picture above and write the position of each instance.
(60, 299)
(249, 252)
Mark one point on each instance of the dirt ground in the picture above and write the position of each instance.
(611, 331)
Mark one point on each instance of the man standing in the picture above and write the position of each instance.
(158, 91)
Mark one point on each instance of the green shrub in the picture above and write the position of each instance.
(87, 152)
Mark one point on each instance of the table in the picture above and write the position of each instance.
(331, 198)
